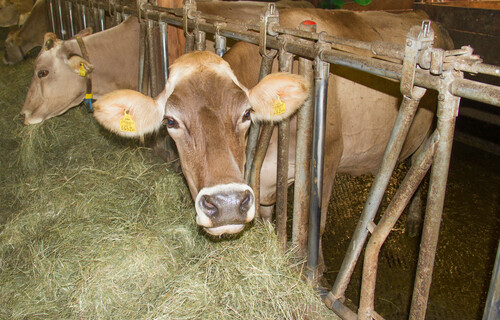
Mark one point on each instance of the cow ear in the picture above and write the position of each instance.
(49, 41)
(278, 96)
(128, 113)
(85, 32)
(80, 66)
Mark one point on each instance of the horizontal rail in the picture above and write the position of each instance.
(307, 48)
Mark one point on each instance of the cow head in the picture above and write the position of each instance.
(208, 112)
(56, 85)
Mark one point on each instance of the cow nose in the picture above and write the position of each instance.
(223, 205)
(23, 117)
(236, 202)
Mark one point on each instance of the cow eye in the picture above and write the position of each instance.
(246, 115)
(171, 123)
(42, 73)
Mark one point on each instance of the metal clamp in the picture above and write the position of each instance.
(418, 39)
(189, 13)
(267, 21)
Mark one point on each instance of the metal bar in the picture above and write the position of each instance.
(101, 19)
(303, 152)
(84, 16)
(321, 74)
(303, 48)
(153, 66)
(164, 48)
(265, 136)
(70, 16)
(62, 31)
(447, 113)
(492, 306)
(477, 91)
(285, 65)
(50, 14)
(189, 43)
(220, 45)
(389, 160)
(142, 55)
(266, 67)
(398, 203)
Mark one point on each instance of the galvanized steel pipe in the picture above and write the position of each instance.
(321, 75)
(164, 49)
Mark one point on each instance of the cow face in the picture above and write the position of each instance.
(56, 85)
(208, 113)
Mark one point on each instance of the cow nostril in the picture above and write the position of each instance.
(23, 117)
(246, 202)
(208, 207)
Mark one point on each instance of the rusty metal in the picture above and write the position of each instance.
(266, 67)
(153, 66)
(285, 65)
(260, 154)
(446, 114)
(200, 40)
(391, 215)
(303, 152)
(399, 132)
(220, 42)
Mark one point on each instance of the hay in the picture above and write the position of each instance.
(95, 227)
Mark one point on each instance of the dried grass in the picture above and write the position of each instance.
(95, 227)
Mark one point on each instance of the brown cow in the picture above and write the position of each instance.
(57, 86)
(206, 107)
(29, 36)
(13, 12)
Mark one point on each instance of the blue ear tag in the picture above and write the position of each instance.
(88, 102)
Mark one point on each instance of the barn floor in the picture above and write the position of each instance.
(467, 246)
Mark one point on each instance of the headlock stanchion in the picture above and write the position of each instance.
(416, 64)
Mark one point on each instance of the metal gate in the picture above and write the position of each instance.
(420, 66)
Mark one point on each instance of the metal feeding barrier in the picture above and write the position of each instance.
(418, 66)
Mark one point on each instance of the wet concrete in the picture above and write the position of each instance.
(469, 236)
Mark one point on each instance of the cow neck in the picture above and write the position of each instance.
(88, 75)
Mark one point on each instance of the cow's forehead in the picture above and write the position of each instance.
(195, 65)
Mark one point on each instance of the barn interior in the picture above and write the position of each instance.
(83, 233)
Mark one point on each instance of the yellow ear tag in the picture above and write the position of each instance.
(127, 124)
(278, 107)
(81, 71)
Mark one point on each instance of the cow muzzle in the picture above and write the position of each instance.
(225, 209)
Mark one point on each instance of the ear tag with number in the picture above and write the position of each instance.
(278, 107)
(81, 71)
(127, 124)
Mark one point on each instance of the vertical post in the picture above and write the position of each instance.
(50, 14)
(101, 19)
(266, 66)
(302, 185)
(60, 21)
(84, 16)
(189, 10)
(164, 49)
(152, 58)
(70, 17)
(285, 65)
(321, 74)
(446, 113)
(142, 54)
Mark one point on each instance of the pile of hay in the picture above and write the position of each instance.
(95, 227)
